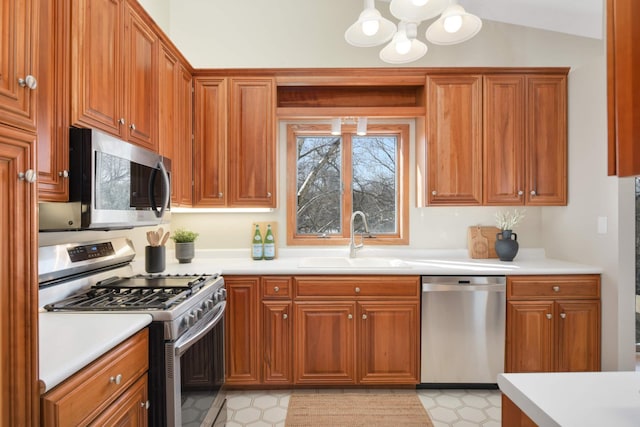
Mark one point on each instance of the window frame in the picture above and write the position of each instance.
(401, 237)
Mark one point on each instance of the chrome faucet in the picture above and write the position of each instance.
(352, 245)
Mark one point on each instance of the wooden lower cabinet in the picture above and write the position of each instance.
(324, 334)
(242, 337)
(110, 391)
(553, 323)
(322, 330)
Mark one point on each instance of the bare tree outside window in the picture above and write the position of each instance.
(331, 176)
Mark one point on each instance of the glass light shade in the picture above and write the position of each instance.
(336, 126)
(412, 11)
(437, 33)
(361, 127)
(419, 2)
(371, 28)
(396, 51)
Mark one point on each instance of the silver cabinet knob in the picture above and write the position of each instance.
(357, 290)
(520, 192)
(285, 316)
(268, 194)
(548, 316)
(276, 289)
(116, 380)
(364, 317)
(350, 316)
(132, 126)
(28, 176)
(29, 82)
(145, 405)
(434, 192)
(556, 289)
(64, 173)
(121, 120)
(533, 192)
(220, 194)
(563, 315)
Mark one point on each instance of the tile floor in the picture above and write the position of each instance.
(447, 408)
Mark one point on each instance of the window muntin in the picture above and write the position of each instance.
(329, 177)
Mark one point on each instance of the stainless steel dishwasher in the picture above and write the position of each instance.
(463, 330)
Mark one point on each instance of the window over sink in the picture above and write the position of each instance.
(331, 176)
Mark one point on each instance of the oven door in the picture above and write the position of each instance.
(195, 379)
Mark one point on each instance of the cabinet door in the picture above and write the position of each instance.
(140, 82)
(546, 151)
(503, 136)
(97, 72)
(324, 341)
(19, 27)
(53, 102)
(530, 332)
(388, 343)
(623, 55)
(252, 146)
(454, 140)
(276, 337)
(129, 410)
(578, 336)
(167, 112)
(242, 340)
(210, 158)
(182, 166)
(18, 282)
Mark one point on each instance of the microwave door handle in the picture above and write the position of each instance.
(166, 192)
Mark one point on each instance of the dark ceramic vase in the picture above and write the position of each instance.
(506, 245)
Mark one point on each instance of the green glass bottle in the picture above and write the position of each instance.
(257, 245)
(269, 244)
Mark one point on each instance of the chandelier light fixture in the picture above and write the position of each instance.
(453, 26)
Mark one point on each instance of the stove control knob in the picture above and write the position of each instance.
(191, 319)
(221, 294)
(210, 303)
(198, 313)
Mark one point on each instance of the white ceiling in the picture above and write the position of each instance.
(578, 17)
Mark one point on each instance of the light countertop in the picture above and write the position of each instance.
(401, 261)
(576, 399)
(70, 341)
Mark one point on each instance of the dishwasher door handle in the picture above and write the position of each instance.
(457, 287)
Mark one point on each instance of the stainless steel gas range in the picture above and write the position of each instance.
(186, 336)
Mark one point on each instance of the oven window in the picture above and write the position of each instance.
(202, 378)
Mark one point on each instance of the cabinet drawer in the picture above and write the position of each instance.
(554, 287)
(86, 394)
(276, 287)
(356, 287)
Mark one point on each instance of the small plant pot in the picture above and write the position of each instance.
(185, 252)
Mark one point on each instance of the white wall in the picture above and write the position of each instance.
(294, 33)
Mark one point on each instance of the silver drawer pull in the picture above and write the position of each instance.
(556, 289)
(285, 316)
(350, 316)
(563, 315)
(357, 290)
(116, 380)
(29, 82)
(276, 289)
(548, 316)
(364, 317)
(28, 176)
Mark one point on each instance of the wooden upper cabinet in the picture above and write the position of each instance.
(141, 56)
(210, 133)
(18, 281)
(546, 140)
(623, 55)
(454, 140)
(114, 57)
(252, 145)
(175, 123)
(18, 59)
(97, 77)
(234, 160)
(504, 139)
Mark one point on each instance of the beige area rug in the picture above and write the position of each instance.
(355, 410)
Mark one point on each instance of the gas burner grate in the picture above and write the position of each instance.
(118, 299)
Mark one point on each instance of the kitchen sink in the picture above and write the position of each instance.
(346, 262)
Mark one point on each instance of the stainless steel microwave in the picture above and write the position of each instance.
(112, 185)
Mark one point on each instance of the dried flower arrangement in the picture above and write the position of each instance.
(507, 220)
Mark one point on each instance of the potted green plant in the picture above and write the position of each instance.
(185, 247)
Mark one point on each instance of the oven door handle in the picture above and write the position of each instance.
(191, 337)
